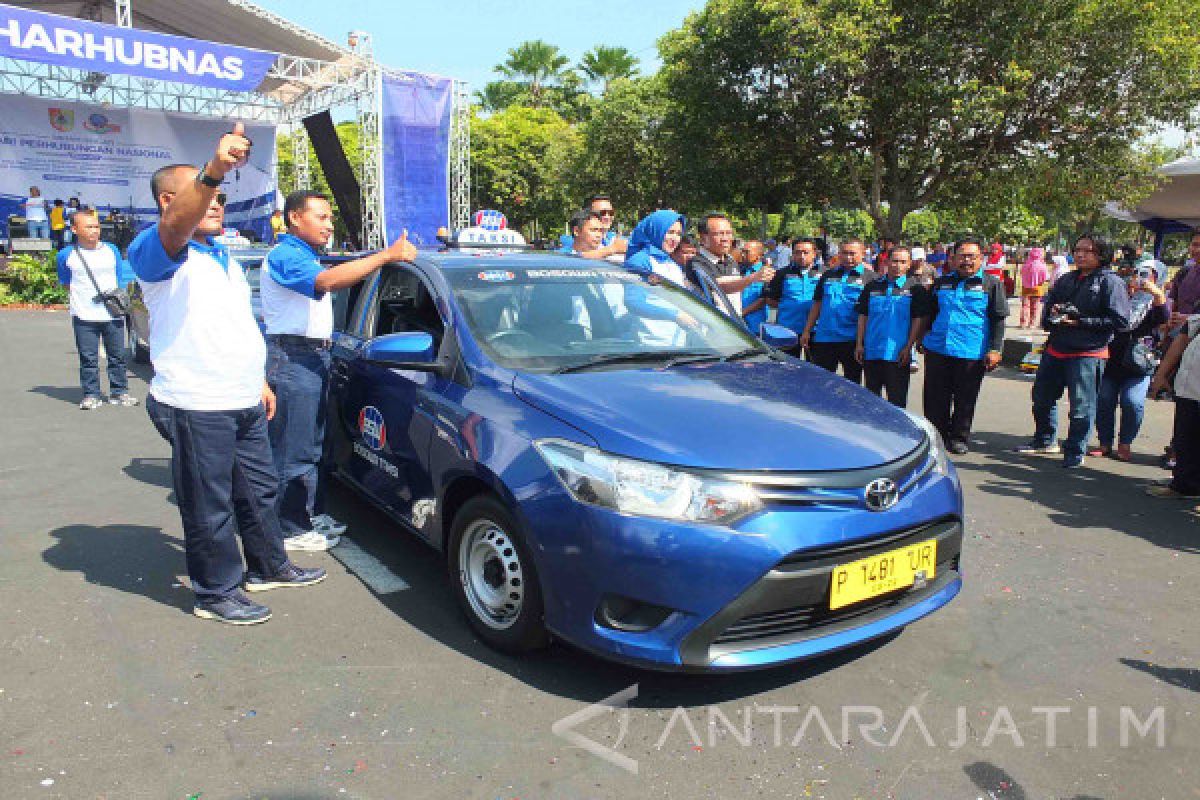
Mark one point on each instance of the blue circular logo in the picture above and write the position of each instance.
(372, 428)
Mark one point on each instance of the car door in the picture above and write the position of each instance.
(382, 415)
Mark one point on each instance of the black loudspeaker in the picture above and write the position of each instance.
(338, 172)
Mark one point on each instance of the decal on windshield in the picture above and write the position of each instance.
(496, 275)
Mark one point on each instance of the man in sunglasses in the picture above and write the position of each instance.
(209, 397)
(601, 207)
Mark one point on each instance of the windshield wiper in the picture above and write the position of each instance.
(629, 358)
(740, 354)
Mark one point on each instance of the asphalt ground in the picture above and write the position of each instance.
(1080, 596)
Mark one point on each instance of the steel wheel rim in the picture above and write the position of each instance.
(491, 573)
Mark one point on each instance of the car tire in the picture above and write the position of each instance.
(494, 578)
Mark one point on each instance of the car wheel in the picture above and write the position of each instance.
(494, 577)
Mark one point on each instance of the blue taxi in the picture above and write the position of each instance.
(605, 458)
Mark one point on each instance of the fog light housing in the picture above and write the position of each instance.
(629, 615)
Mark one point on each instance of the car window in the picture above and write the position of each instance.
(403, 304)
(544, 320)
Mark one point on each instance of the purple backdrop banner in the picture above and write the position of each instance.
(416, 156)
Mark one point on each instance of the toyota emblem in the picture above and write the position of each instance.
(881, 494)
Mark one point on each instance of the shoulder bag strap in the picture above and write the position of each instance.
(88, 269)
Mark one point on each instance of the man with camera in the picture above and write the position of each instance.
(1083, 310)
(209, 397)
(95, 275)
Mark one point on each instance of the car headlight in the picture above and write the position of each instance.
(645, 488)
(941, 460)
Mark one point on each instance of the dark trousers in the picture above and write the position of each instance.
(299, 376)
(1080, 378)
(828, 355)
(225, 484)
(1186, 475)
(87, 342)
(951, 389)
(890, 376)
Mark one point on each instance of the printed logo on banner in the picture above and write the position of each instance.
(98, 123)
(372, 428)
(62, 119)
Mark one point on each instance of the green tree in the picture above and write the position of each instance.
(627, 152)
(519, 161)
(893, 106)
(535, 64)
(604, 65)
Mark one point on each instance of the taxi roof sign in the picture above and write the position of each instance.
(489, 229)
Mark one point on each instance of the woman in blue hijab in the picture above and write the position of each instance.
(653, 241)
(650, 248)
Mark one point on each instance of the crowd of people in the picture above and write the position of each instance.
(244, 414)
(866, 309)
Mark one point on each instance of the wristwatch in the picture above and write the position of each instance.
(204, 179)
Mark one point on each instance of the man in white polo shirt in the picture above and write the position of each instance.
(209, 396)
(89, 267)
(297, 302)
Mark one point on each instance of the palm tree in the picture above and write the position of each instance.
(606, 64)
(535, 63)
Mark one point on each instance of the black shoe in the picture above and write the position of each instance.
(1073, 461)
(958, 448)
(234, 609)
(290, 575)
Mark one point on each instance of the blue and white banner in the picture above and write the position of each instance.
(105, 157)
(416, 156)
(96, 47)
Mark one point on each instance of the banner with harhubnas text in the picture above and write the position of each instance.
(105, 157)
(99, 48)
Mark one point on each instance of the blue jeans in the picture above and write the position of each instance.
(299, 376)
(1131, 393)
(38, 230)
(87, 342)
(225, 485)
(1080, 377)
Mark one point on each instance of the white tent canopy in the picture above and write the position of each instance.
(1176, 201)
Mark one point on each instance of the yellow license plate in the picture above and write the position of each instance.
(879, 574)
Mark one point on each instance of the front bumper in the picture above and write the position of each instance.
(785, 615)
(743, 598)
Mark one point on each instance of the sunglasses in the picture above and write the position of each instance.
(222, 198)
(607, 212)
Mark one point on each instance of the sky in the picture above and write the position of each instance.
(465, 39)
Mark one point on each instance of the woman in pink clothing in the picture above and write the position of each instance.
(1034, 283)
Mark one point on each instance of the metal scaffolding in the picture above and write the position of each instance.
(294, 88)
(460, 157)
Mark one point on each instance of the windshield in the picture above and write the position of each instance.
(558, 320)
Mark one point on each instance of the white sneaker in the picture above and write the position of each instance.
(90, 403)
(309, 541)
(323, 523)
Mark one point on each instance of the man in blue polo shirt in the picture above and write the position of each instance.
(297, 303)
(963, 313)
(209, 396)
(884, 323)
(832, 326)
(793, 288)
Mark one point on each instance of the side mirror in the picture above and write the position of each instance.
(778, 336)
(412, 350)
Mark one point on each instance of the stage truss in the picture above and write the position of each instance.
(296, 87)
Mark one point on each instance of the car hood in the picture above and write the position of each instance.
(746, 415)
